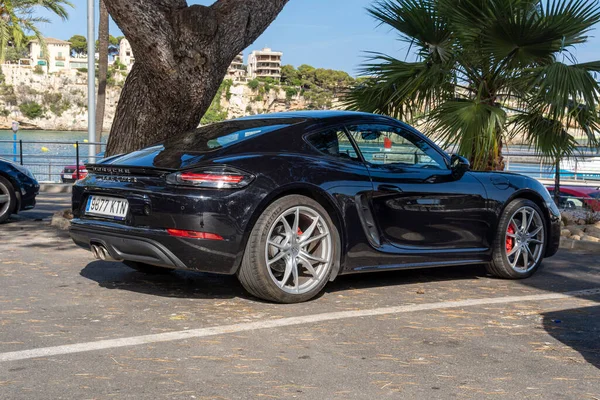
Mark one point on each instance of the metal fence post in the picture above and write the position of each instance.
(77, 155)
(21, 151)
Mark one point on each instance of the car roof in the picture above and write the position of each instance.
(313, 114)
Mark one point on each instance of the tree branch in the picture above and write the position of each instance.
(146, 24)
(241, 22)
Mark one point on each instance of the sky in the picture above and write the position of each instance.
(323, 33)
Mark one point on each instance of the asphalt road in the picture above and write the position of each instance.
(72, 327)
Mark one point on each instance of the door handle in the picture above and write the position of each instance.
(389, 188)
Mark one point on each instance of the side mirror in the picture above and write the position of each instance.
(459, 165)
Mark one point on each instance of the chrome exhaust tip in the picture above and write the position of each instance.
(101, 253)
(94, 250)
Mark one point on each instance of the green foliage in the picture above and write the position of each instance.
(290, 76)
(215, 112)
(19, 17)
(113, 41)
(290, 92)
(476, 60)
(253, 84)
(7, 94)
(38, 70)
(226, 85)
(318, 99)
(2, 77)
(78, 44)
(266, 79)
(119, 65)
(31, 109)
(82, 70)
(5, 112)
(55, 102)
(15, 54)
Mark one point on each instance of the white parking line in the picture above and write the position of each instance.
(277, 323)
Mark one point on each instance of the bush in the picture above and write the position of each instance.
(56, 103)
(119, 65)
(290, 93)
(31, 109)
(7, 93)
(5, 112)
(38, 70)
(253, 84)
(83, 70)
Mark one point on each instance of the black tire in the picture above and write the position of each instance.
(501, 265)
(147, 268)
(254, 273)
(7, 208)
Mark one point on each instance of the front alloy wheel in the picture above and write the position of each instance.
(290, 252)
(520, 241)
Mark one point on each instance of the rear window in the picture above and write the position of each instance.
(224, 134)
(595, 195)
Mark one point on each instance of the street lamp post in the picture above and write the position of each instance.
(91, 49)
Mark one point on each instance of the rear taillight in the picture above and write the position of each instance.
(219, 178)
(194, 234)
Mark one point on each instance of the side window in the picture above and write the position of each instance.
(383, 144)
(333, 142)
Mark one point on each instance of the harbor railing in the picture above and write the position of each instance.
(47, 159)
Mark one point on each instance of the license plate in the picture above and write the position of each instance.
(110, 207)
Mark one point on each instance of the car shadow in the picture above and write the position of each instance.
(189, 284)
(578, 328)
(176, 284)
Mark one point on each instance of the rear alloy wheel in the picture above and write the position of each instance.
(8, 199)
(291, 251)
(520, 241)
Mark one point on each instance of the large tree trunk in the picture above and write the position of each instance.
(181, 56)
(102, 71)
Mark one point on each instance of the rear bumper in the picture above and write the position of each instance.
(156, 246)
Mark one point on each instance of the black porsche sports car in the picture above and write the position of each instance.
(290, 201)
(18, 189)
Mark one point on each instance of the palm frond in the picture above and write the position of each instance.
(400, 89)
(418, 22)
(473, 125)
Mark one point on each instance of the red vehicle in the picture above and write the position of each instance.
(574, 197)
(69, 173)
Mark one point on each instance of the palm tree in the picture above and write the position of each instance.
(18, 17)
(486, 70)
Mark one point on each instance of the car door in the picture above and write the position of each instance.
(420, 206)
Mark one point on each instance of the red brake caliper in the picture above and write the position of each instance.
(510, 242)
(299, 231)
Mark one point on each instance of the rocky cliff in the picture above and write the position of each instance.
(59, 101)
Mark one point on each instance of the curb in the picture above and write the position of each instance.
(56, 187)
(566, 243)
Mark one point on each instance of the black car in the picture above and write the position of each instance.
(289, 201)
(18, 189)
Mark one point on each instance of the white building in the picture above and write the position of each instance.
(126, 54)
(58, 57)
(265, 63)
(236, 70)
